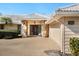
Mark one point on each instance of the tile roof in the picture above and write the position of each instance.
(18, 18)
(72, 10)
(36, 16)
(74, 7)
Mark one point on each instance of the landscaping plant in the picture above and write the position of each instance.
(7, 20)
(74, 46)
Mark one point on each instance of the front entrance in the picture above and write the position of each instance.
(35, 29)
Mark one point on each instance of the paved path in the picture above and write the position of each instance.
(32, 46)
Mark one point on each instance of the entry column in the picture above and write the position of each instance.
(43, 30)
(24, 29)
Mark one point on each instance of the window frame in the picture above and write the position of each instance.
(71, 22)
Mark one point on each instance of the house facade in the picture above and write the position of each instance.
(29, 25)
(64, 25)
(34, 25)
(59, 27)
(15, 25)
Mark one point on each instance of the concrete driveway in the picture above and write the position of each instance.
(32, 46)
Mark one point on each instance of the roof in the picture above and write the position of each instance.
(74, 7)
(16, 19)
(36, 16)
(54, 18)
(72, 10)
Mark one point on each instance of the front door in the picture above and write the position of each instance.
(35, 29)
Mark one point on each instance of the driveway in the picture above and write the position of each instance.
(32, 46)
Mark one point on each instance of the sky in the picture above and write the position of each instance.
(28, 8)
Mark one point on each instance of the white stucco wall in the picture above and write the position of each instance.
(55, 33)
(10, 27)
(23, 30)
(71, 31)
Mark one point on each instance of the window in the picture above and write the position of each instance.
(1, 26)
(71, 22)
(19, 28)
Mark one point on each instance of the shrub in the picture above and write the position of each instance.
(8, 33)
(74, 46)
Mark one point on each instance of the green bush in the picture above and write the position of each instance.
(8, 33)
(74, 46)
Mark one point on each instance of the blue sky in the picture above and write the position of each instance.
(28, 8)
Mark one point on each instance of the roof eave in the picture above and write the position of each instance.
(58, 16)
(53, 19)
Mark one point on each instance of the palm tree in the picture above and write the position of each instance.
(7, 20)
